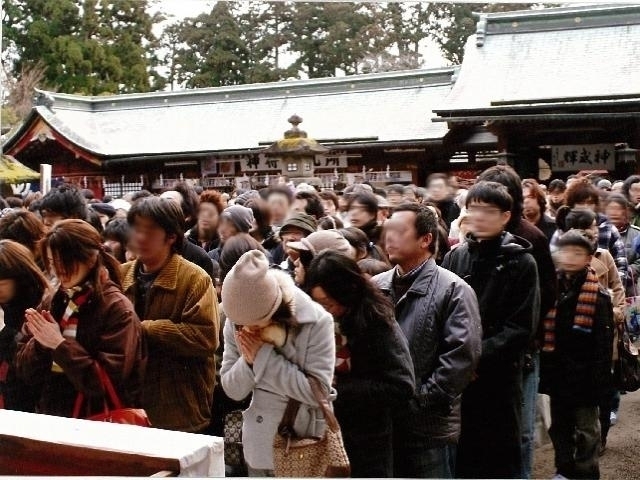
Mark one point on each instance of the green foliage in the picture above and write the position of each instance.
(207, 50)
(453, 23)
(89, 47)
(332, 36)
(107, 46)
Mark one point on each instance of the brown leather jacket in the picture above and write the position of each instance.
(109, 333)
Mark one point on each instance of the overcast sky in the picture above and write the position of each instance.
(184, 8)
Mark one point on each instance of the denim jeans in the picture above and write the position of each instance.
(575, 433)
(530, 381)
(416, 461)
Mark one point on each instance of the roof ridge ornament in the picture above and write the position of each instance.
(481, 29)
(455, 74)
(42, 98)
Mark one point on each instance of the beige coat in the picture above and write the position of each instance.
(604, 265)
(181, 323)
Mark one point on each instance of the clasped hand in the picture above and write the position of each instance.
(44, 328)
(249, 343)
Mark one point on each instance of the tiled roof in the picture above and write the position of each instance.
(381, 107)
(549, 56)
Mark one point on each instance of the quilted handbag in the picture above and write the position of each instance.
(310, 457)
(116, 414)
(233, 453)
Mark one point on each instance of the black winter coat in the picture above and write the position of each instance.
(197, 256)
(380, 382)
(578, 371)
(504, 276)
(17, 395)
(192, 237)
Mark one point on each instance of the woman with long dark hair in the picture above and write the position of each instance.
(374, 371)
(89, 324)
(22, 286)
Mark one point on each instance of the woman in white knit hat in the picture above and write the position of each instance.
(274, 334)
(310, 246)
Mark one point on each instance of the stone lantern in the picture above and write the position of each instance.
(296, 153)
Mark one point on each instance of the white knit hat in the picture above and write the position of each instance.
(250, 292)
(120, 204)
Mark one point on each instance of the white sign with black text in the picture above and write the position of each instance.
(569, 158)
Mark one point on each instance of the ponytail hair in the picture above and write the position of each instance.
(73, 242)
(578, 218)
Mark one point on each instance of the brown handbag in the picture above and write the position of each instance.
(310, 457)
(117, 414)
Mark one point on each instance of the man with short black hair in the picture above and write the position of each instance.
(439, 193)
(309, 202)
(394, 194)
(175, 301)
(438, 313)
(631, 189)
(61, 203)
(503, 274)
(555, 194)
(185, 197)
(279, 198)
(297, 226)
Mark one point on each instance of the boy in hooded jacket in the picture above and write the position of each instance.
(503, 273)
(576, 357)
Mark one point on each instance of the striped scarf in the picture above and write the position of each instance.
(77, 296)
(585, 311)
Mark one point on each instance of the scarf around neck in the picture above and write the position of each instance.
(584, 313)
(77, 297)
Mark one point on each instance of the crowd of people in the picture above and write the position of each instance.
(431, 316)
